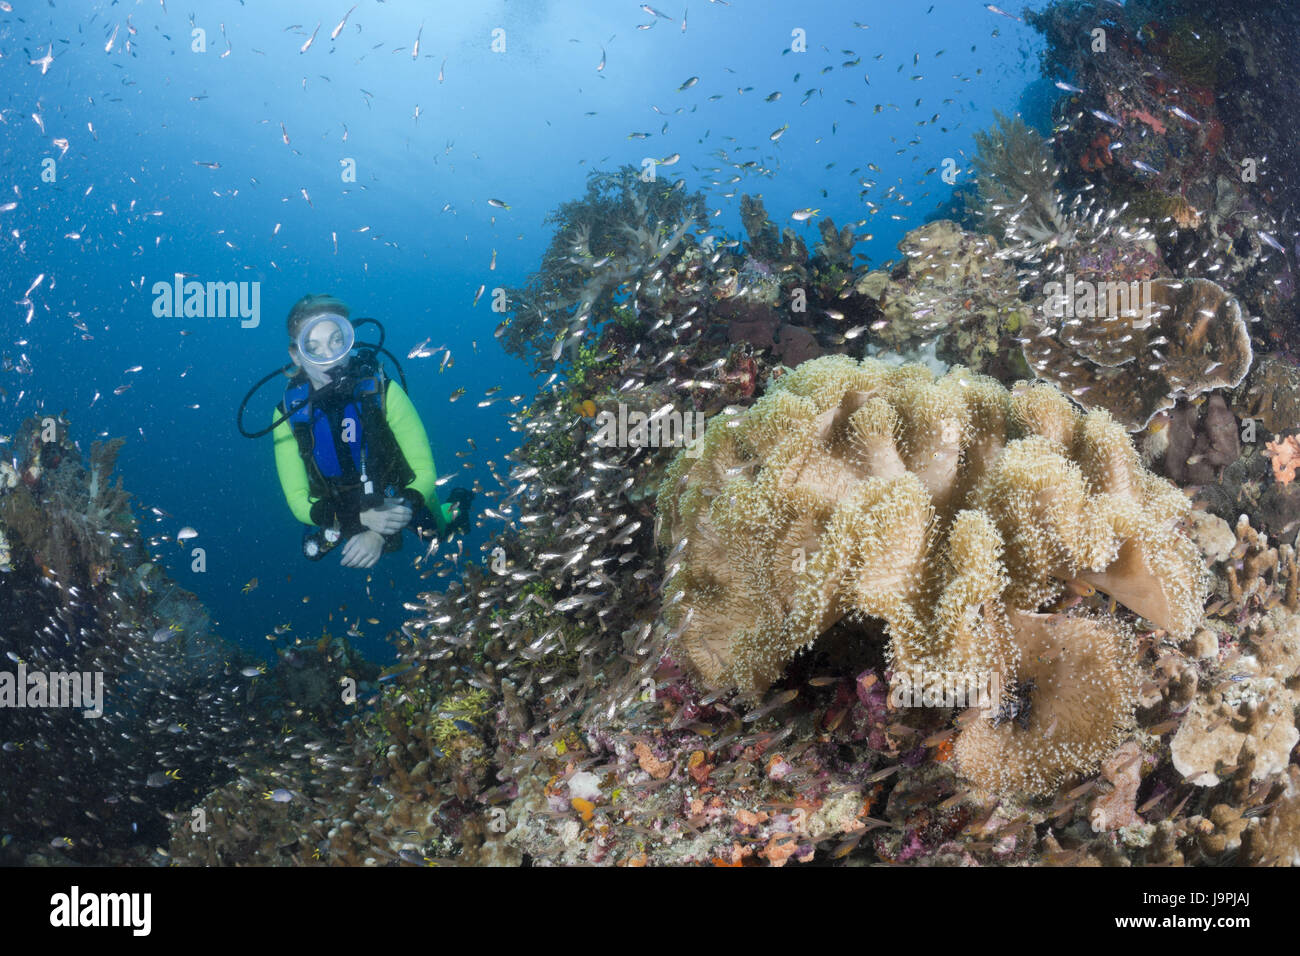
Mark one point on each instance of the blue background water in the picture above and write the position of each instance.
(511, 125)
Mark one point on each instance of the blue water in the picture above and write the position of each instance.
(129, 203)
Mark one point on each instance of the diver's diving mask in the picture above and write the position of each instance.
(325, 339)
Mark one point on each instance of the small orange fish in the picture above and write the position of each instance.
(833, 719)
(847, 847)
(1080, 587)
(588, 408)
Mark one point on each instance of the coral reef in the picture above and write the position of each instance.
(1135, 350)
(597, 743)
(1200, 441)
(1017, 186)
(621, 232)
(951, 509)
(1271, 394)
(953, 288)
(81, 598)
(1186, 89)
(547, 708)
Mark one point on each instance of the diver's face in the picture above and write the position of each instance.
(324, 340)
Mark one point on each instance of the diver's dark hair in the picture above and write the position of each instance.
(310, 305)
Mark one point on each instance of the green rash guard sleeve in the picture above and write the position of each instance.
(292, 472)
(408, 431)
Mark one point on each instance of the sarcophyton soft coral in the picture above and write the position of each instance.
(955, 511)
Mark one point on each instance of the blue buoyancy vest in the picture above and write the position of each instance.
(345, 435)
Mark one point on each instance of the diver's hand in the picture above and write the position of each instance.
(391, 517)
(363, 550)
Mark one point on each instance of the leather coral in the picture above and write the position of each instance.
(955, 511)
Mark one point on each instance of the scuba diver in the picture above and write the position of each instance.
(352, 454)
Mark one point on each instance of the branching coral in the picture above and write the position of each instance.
(764, 237)
(1254, 575)
(1275, 840)
(954, 511)
(73, 538)
(105, 500)
(1134, 349)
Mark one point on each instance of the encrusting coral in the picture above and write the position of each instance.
(1134, 349)
(1255, 721)
(1285, 455)
(1270, 394)
(953, 287)
(1244, 721)
(955, 511)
